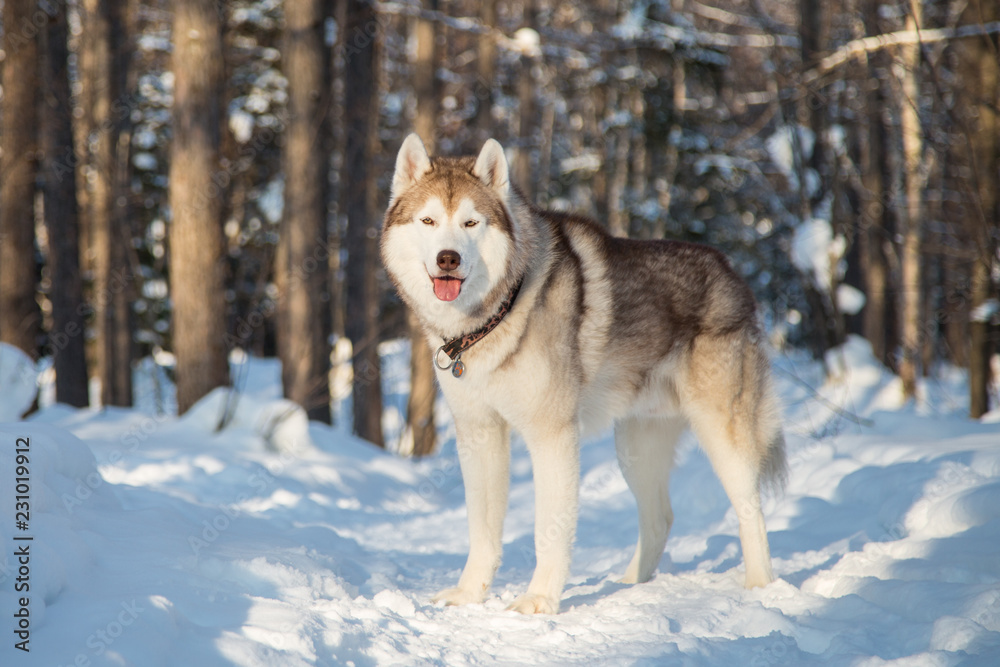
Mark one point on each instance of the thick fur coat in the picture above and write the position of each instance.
(651, 337)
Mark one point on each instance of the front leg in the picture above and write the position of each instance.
(484, 454)
(555, 462)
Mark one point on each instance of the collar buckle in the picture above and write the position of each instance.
(437, 359)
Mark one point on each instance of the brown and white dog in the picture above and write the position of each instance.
(543, 323)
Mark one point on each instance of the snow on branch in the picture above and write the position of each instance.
(721, 39)
(666, 35)
(859, 47)
(661, 34)
(464, 24)
(722, 15)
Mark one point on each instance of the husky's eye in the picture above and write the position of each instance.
(427, 221)
(470, 223)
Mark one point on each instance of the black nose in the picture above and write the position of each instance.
(448, 260)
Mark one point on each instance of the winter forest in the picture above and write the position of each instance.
(185, 179)
(199, 343)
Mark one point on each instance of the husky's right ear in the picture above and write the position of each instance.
(412, 162)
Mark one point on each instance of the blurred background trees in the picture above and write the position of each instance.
(194, 178)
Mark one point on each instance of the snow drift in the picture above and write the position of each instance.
(164, 541)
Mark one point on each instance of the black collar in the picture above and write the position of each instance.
(456, 346)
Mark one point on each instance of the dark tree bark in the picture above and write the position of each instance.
(521, 169)
(306, 354)
(527, 113)
(110, 234)
(828, 324)
(20, 318)
(979, 74)
(876, 216)
(980, 347)
(361, 46)
(813, 35)
(66, 339)
(421, 432)
(955, 311)
(486, 67)
(426, 86)
(84, 127)
(196, 240)
(121, 319)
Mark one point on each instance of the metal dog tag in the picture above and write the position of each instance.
(458, 368)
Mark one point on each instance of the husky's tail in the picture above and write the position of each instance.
(774, 467)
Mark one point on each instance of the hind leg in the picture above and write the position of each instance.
(728, 440)
(734, 416)
(740, 479)
(645, 448)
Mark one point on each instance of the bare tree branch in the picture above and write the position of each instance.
(859, 47)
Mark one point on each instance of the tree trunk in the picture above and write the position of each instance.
(828, 326)
(88, 76)
(486, 66)
(956, 303)
(812, 111)
(66, 339)
(426, 86)
(421, 434)
(912, 217)
(111, 237)
(527, 112)
(872, 231)
(196, 240)
(542, 193)
(20, 318)
(979, 344)
(122, 324)
(306, 356)
(933, 274)
(593, 197)
(101, 170)
(618, 223)
(671, 153)
(359, 191)
(639, 166)
(979, 75)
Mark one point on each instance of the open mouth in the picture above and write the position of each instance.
(446, 288)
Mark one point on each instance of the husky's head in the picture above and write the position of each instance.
(448, 236)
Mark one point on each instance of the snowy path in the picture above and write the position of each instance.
(157, 542)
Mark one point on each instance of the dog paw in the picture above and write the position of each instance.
(533, 603)
(458, 596)
(632, 578)
(758, 581)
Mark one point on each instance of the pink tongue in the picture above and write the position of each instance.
(447, 289)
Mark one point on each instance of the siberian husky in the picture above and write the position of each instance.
(543, 323)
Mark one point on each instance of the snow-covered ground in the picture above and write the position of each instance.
(159, 541)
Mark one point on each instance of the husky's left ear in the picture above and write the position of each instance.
(412, 162)
(491, 167)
